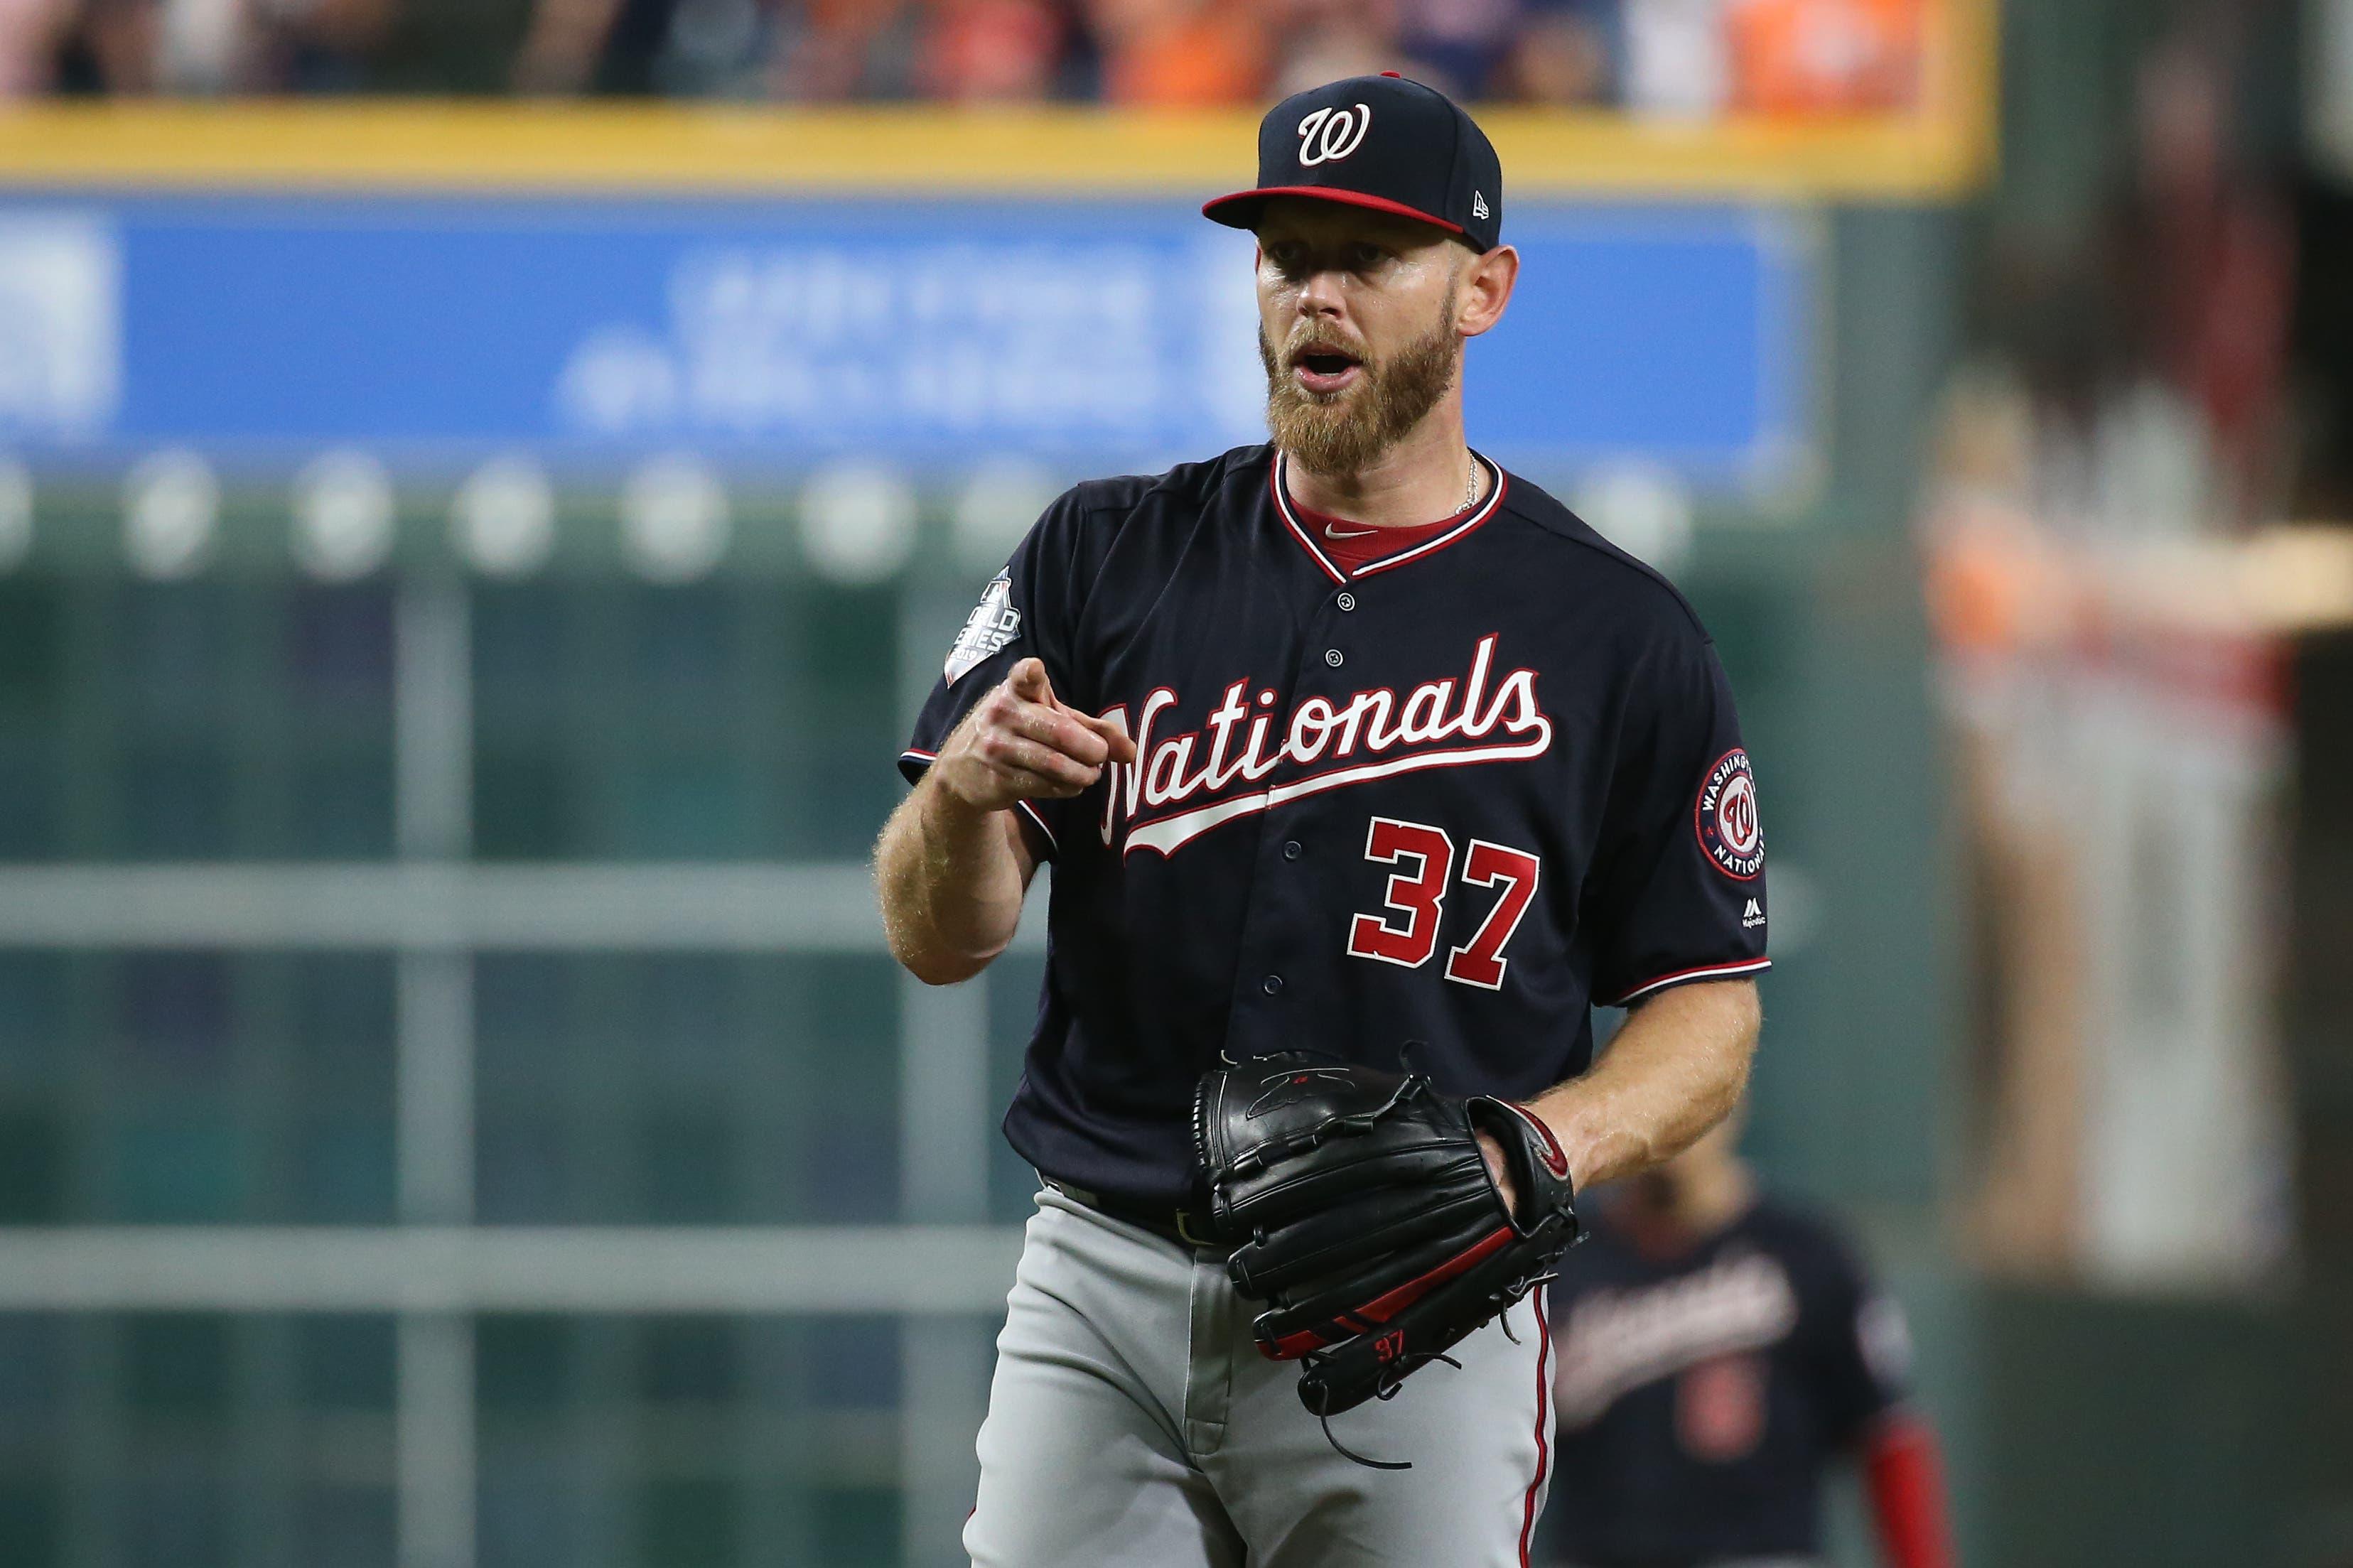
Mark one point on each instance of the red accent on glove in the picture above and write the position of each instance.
(1381, 1309)
(1904, 1472)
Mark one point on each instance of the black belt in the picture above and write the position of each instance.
(1185, 1227)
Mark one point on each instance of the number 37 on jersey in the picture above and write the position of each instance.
(1409, 930)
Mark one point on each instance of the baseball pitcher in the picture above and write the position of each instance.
(1367, 770)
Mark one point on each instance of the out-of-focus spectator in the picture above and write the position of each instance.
(2209, 252)
(1793, 58)
(1676, 58)
(980, 50)
(109, 46)
(1457, 45)
(1675, 61)
(1566, 54)
(834, 50)
(29, 44)
(202, 48)
(1181, 52)
(314, 45)
(1318, 41)
(692, 48)
(567, 39)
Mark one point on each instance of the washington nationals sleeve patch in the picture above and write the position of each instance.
(1726, 817)
(994, 622)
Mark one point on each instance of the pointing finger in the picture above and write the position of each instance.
(1028, 681)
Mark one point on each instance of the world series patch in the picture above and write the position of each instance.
(994, 622)
(1726, 817)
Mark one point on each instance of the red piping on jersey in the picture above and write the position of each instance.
(1282, 506)
(1381, 1309)
(1544, 1423)
(928, 758)
(1503, 483)
(1705, 972)
(1282, 510)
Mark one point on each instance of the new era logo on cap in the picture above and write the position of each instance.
(1381, 143)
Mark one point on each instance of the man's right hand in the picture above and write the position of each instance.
(1019, 742)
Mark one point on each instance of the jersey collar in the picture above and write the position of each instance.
(1497, 481)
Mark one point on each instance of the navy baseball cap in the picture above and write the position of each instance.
(1377, 142)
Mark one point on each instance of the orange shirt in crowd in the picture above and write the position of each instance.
(1823, 57)
(1200, 52)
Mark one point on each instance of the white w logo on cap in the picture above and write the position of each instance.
(1342, 130)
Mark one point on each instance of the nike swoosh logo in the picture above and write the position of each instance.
(1331, 533)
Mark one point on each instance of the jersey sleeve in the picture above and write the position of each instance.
(1027, 610)
(1861, 1345)
(1679, 890)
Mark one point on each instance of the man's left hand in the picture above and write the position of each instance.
(1501, 1171)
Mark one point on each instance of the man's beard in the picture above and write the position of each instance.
(1344, 432)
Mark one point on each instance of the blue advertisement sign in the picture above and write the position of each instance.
(778, 333)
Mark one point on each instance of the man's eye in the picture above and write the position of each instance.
(1364, 257)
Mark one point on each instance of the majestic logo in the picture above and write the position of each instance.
(1753, 916)
(1725, 816)
(994, 622)
(1181, 785)
(1330, 134)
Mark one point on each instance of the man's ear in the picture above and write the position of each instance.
(1485, 287)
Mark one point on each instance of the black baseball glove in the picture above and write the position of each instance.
(1361, 1210)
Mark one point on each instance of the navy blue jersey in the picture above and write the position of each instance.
(1701, 1396)
(1454, 796)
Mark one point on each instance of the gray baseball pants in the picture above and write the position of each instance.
(1133, 1424)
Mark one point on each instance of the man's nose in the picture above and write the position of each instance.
(1320, 295)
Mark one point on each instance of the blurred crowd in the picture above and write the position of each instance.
(1687, 58)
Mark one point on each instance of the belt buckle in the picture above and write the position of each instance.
(1185, 1231)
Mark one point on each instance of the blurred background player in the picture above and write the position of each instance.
(1720, 1351)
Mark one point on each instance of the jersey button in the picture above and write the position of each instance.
(1331, 657)
(1291, 848)
(1346, 601)
(1271, 985)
